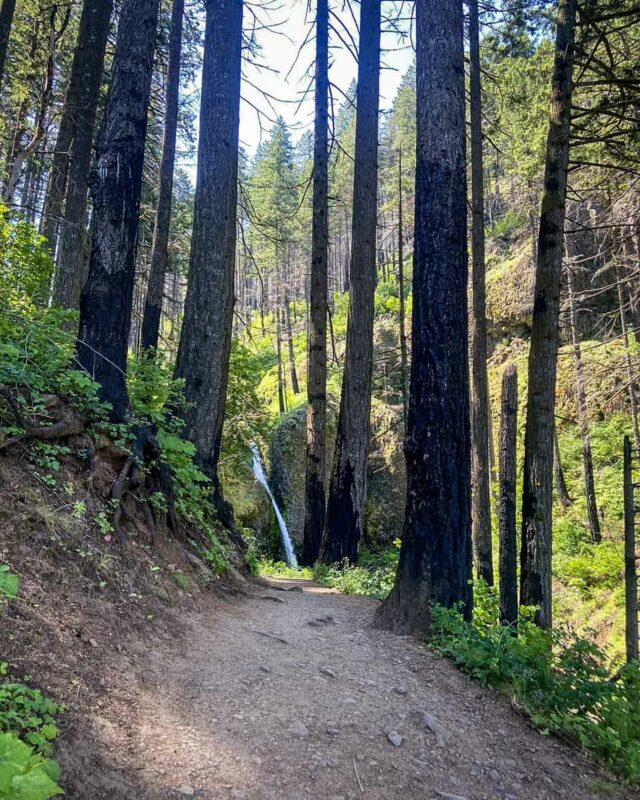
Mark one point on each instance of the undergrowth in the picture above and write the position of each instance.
(27, 728)
(559, 679)
(372, 576)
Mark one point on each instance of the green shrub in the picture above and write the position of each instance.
(31, 716)
(25, 775)
(558, 678)
(8, 583)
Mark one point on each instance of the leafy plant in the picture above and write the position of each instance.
(27, 713)
(25, 775)
(558, 678)
(9, 583)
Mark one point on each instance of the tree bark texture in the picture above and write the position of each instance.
(558, 471)
(435, 558)
(508, 556)
(81, 106)
(537, 494)
(6, 23)
(480, 475)
(105, 304)
(404, 360)
(160, 245)
(315, 495)
(347, 488)
(83, 90)
(583, 416)
(205, 340)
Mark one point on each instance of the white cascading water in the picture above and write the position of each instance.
(258, 471)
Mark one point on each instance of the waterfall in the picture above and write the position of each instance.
(258, 471)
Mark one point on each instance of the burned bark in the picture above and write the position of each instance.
(81, 105)
(480, 468)
(347, 488)
(508, 557)
(160, 245)
(537, 494)
(318, 290)
(205, 340)
(105, 304)
(435, 558)
(83, 90)
(6, 23)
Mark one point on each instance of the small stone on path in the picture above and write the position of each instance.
(394, 738)
(299, 729)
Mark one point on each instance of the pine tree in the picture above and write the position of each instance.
(105, 304)
(205, 340)
(347, 489)
(435, 557)
(537, 495)
(160, 247)
(317, 359)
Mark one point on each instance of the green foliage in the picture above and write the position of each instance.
(25, 266)
(180, 579)
(373, 576)
(25, 775)
(27, 713)
(559, 678)
(9, 583)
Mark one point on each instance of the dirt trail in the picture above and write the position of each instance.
(227, 711)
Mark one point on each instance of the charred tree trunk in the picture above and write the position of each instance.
(295, 386)
(205, 340)
(81, 105)
(404, 361)
(84, 84)
(633, 397)
(630, 558)
(6, 22)
(508, 564)
(480, 488)
(537, 495)
(105, 304)
(558, 472)
(160, 245)
(583, 417)
(435, 558)
(318, 291)
(347, 489)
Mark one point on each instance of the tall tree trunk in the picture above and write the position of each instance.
(558, 471)
(6, 22)
(537, 494)
(480, 474)
(83, 90)
(347, 489)
(282, 404)
(105, 304)
(631, 377)
(205, 340)
(508, 561)
(404, 361)
(160, 246)
(435, 558)
(295, 386)
(23, 152)
(583, 416)
(630, 557)
(318, 289)
(71, 262)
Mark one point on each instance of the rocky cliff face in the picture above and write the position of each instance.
(386, 476)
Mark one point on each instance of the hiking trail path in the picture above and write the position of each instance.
(290, 694)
